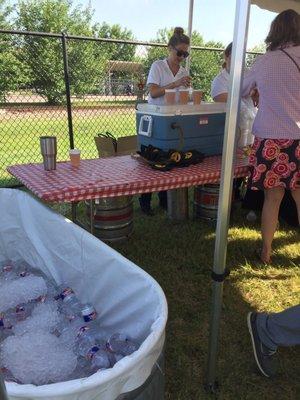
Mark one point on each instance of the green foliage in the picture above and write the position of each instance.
(205, 64)
(115, 51)
(43, 55)
(156, 53)
(250, 58)
(11, 70)
(87, 59)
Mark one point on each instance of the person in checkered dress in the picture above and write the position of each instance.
(275, 156)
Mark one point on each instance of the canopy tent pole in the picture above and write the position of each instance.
(190, 29)
(3, 393)
(219, 267)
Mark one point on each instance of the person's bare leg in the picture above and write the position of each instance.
(269, 220)
(296, 196)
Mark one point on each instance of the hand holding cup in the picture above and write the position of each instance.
(183, 81)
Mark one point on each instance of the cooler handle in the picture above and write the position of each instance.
(145, 126)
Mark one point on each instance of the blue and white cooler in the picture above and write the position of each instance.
(182, 127)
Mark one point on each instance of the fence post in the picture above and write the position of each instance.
(68, 92)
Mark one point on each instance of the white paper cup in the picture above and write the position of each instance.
(197, 96)
(75, 157)
(170, 96)
(184, 96)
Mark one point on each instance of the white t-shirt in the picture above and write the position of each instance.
(220, 83)
(160, 74)
(247, 111)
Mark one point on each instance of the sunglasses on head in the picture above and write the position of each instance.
(181, 53)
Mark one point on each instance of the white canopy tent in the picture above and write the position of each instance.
(236, 74)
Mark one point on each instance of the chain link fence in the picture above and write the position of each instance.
(74, 88)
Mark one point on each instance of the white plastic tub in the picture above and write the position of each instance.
(125, 296)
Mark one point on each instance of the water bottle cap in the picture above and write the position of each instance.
(87, 309)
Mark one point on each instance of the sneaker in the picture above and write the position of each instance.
(265, 358)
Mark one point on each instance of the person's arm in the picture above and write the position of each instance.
(158, 91)
(221, 98)
(249, 81)
(219, 89)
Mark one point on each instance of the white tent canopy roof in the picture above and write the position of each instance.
(278, 5)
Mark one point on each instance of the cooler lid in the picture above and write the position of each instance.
(182, 109)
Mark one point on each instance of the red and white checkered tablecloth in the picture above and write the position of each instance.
(114, 176)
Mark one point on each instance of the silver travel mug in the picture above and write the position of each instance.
(49, 151)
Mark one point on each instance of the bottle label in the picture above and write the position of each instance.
(92, 352)
(90, 317)
(20, 309)
(66, 292)
(41, 299)
(108, 347)
(82, 330)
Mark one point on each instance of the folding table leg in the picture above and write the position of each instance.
(74, 211)
(178, 206)
(92, 216)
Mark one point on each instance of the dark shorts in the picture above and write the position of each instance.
(275, 163)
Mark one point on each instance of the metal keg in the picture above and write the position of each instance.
(113, 219)
(206, 199)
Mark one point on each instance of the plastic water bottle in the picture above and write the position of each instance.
(23, 311)
(70, 305)
(98, 356)
(8, 272)
(75, 332)
(10, 318)
(121, 344)
(62, 292)
(88, 313)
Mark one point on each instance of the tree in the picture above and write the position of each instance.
(43, 55)
(11, 70)
(250, 58)
(205, 64)
(115, 51)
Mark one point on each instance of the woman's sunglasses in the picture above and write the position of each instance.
(181, 53)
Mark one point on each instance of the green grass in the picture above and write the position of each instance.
(179, 257)
(19, 137)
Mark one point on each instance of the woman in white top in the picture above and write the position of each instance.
(219, 93)
(167, 74)
(220, 84)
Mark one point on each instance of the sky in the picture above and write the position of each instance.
(214, 19)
